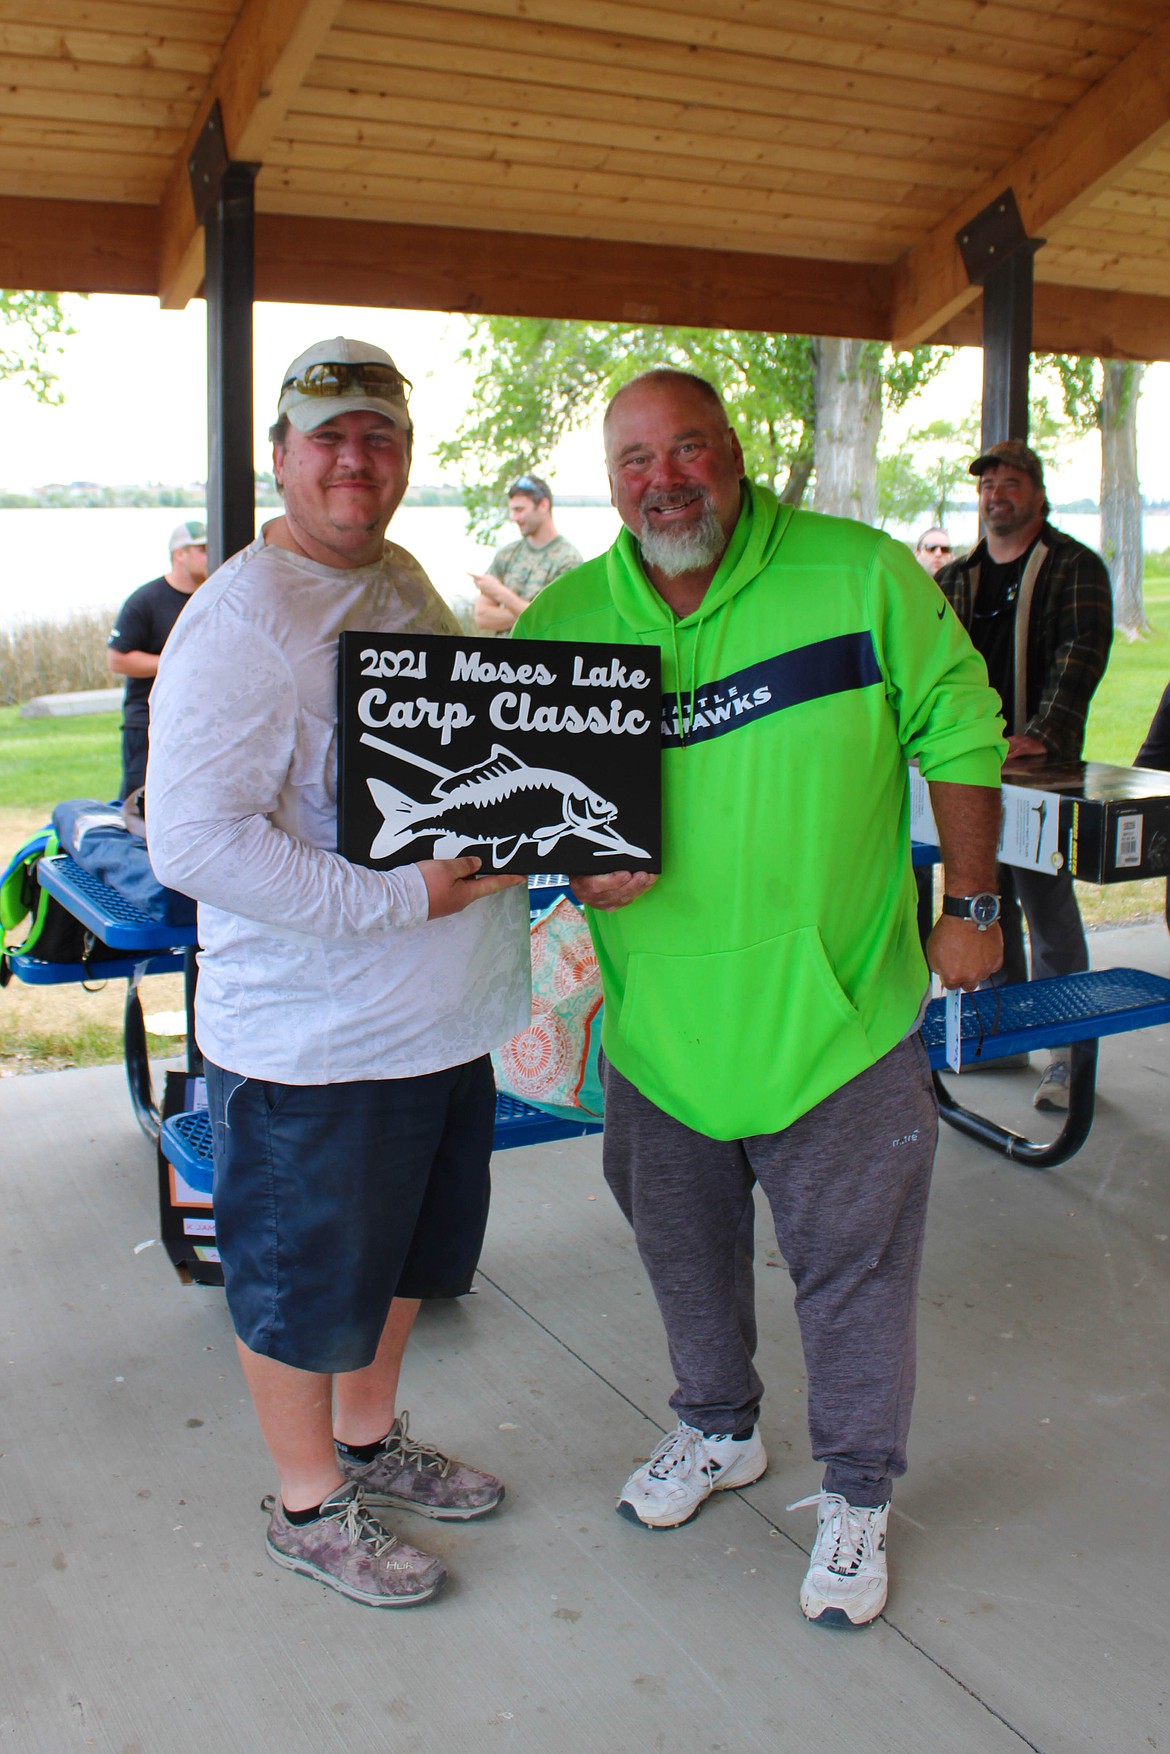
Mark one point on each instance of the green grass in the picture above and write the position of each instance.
(81, 1042)
(46, 760)
(1132, 685)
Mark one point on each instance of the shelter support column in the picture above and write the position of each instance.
(223, 193)
(998, 256)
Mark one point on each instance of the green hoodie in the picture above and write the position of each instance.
(777, 956)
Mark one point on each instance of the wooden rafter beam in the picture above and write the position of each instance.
(414, 267)
(1080, 319)
(1117, 122)
(77, 246)
(263, 65)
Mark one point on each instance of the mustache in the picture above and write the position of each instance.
(660, 502)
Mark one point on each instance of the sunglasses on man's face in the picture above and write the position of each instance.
(335, 379)
(938, 548)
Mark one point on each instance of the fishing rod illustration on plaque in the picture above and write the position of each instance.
(536, 756)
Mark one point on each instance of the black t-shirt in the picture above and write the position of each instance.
(143, 625)
(993, 623)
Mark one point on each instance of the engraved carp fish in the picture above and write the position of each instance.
(499, 803)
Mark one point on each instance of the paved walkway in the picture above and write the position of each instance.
(1030, 1606)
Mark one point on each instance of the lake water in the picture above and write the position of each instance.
(56, 563)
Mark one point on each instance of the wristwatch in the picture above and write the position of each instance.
(982, 908)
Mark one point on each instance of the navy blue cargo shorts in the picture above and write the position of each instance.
(332, 1199)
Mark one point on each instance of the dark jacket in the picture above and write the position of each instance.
(1155, 751)
(1064, 622)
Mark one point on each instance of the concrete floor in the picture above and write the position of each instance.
(1030, 1598)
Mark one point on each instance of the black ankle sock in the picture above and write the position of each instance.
(297, 1517)
(361, 1452)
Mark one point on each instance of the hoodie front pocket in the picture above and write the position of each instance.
(741, 1041)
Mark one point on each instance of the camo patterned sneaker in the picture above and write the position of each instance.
(684, 1470)
(406, 1475)
(348, 1550)
(845, 1584)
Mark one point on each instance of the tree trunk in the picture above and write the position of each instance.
(800, 472)
(848, 393)
(1121, 498)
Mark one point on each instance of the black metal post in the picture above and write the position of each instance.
(223, 193)
(1007, 350)
(998, 255)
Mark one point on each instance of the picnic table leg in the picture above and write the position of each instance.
(1082, 1086)
(190, 977)
(138, 1060)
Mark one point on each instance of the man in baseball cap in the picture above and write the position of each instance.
(1011, 454)
(343, 377)
(1039, 607)
(139, 634)
(345, 1014)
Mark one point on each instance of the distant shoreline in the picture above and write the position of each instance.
(89, 496)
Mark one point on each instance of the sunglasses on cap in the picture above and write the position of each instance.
(335, 379)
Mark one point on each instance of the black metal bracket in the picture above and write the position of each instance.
(207, 163)
(993, 237)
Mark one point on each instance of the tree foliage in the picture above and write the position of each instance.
(32, 325)
(933, 468)
(536, 380)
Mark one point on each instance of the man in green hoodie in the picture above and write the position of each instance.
(763, 994)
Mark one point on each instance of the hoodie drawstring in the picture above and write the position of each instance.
(686, 717)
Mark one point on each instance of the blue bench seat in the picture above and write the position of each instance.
(186, 1138)
(1073, 1010)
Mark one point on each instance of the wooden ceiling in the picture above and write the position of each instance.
(764, 164)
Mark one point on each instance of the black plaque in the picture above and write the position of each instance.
(535, 755)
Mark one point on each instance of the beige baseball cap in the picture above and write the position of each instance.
(343, 377)
(192, 534)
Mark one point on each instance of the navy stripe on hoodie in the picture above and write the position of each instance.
(828, 666)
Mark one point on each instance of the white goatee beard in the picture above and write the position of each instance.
(673, 552)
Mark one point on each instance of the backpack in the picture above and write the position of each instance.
(52, 934)
(96, 837)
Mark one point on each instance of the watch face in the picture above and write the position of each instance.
(985, 909)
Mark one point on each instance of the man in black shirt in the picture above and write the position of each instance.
(1039, 607)
(139, 635)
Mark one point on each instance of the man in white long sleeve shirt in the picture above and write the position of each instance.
(345, 1015)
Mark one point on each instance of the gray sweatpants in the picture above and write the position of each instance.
(847, 1184)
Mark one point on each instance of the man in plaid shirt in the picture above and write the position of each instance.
(1039, 607)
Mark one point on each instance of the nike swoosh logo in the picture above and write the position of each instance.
(942, 612)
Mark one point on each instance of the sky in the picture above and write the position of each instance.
(134, 378)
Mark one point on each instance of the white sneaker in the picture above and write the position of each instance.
(1052, 1090)
(686, 1468)
(845, 1584)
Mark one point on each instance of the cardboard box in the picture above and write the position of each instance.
(186, 1221)
(1105, 824)
(1114, 821)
